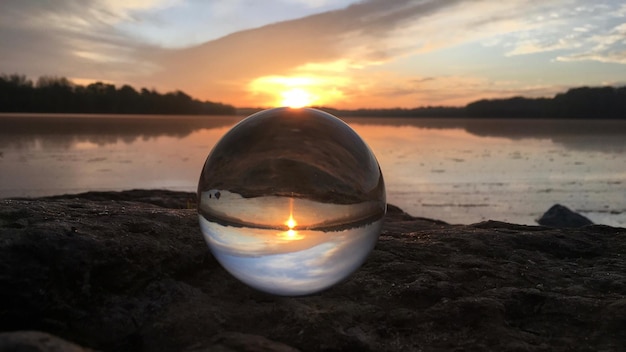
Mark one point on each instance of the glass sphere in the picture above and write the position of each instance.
(291, 201)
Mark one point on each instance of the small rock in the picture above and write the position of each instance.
(561, 217)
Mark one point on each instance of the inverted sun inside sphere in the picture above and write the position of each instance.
(291, 201)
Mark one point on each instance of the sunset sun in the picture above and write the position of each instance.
(298, 91)
(296, 98)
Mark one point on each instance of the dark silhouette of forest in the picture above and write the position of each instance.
(576, 103)
(427, 111)
(60, 95)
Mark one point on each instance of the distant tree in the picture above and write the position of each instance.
(586, 102)
(53, 81)
(53, 94)
(428, 111)
(15, 92)
(60, 95)
(128, 100)
(512, 107)
(583, 102)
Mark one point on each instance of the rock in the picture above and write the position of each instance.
(35, 341)
(162, 198)
(233, 341)
(561, 217)
(112, 272)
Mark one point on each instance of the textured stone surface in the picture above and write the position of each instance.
(120, 271)
(35, 341)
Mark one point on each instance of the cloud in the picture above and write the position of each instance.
(445, 90)
(309, 3)
(533, 46)
(349, 48)
(353, 50)
(610, 57)
(588, 32)
(69, 37)
(607, 46)
(355, 34)
(184, 23)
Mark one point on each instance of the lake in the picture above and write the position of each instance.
(458, 170)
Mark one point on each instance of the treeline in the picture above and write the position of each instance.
(428, 111)
(580, 103)
(60, 95)
(576, 103)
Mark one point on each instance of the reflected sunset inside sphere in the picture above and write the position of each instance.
(291, 223)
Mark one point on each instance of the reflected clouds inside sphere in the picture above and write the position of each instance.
(291, 201)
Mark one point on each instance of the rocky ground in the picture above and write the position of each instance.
(130, 271)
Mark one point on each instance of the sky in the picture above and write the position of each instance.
(337, 53)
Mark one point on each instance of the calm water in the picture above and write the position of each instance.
(456, 170)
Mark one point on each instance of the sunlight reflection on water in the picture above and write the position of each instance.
(459, 171)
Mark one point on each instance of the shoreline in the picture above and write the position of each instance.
(174, 199)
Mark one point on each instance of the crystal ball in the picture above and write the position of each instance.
(291, 201)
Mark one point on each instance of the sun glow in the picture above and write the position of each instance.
(298, 91)
(296, 98)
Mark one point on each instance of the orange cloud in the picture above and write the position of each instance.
(330, 47)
